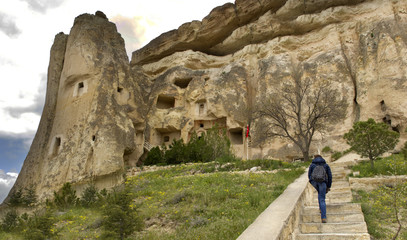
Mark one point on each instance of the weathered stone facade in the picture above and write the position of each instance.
(102, 110)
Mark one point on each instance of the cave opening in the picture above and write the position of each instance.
(55, 146)
(165, 102)
(236, 136)
(182, 82)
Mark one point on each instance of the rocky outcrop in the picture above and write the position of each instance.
(230, 27)
(85, 129)
(355, 45)
(102, 113)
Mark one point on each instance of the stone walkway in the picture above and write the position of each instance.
(345, 219)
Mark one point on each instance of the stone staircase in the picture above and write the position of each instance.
(345, 219)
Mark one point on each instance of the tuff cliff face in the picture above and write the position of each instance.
(102, 113)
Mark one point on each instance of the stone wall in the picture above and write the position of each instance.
(369, 184)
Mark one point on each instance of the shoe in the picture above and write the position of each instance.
(324, 220)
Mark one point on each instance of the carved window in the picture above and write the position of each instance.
(182, 83)
(165, 102)
(201, 109)
(80, 89)
(236, 136)
(55, 146)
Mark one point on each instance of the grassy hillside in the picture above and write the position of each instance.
(193, 201)
(384, 208)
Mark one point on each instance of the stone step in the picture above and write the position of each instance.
(340, 188)
(338, 173)
(333, 208)
(349, 227)
(333, 201)
(338, 178)
(340, 183)
(334, 194)
(336, 191)
(345, 219)
(334, 236)
(334, 217)
(346, 198)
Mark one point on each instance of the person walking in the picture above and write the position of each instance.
(320, 176)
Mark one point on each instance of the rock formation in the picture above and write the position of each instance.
(102, 112)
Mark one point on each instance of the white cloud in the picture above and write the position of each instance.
(8, 26)
(132, 30)
(7, 181)
(42, 5)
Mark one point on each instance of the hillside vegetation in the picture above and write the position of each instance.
(385, 207)
(188, 201)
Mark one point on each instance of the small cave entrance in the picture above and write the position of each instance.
(55, 146)
(396, 129)
(387, 120)
(236, 136)
(80, 89)
(165, 102)
(182, 82)
(383, 105)
(166, 139)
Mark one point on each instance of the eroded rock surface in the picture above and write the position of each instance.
(102, 113)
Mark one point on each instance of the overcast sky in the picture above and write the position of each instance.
(27, 31)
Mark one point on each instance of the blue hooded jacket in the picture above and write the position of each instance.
(321, 161)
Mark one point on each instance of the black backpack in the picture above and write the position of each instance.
(319, 174)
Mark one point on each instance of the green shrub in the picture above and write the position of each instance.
(383, 167)
(40, 226)
(336, 155)
(227, 159)
(16, 198)
(404, 151)
(66, 197)
(23, 198)
(214, 145)
(29, 197)
(386, 204)
(176, 153)
(120, 216)
(371, 139)
(90, 196)
(10, 221)
(326, 149)
(218, 143)
(154, 157)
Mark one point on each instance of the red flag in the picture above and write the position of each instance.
(247, 131)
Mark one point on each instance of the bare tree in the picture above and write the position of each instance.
(302, 107)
